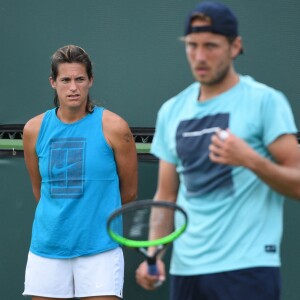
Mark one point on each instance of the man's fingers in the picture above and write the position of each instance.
(223, 135)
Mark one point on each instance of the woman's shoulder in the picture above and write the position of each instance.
(33, 125)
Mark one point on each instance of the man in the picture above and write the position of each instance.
(82, 163)
(228, 155)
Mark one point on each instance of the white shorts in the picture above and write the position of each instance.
(85, 276)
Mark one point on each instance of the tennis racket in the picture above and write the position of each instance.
(147, 226)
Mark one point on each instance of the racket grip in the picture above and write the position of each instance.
(152, 269)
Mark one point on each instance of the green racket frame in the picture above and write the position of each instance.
(146, 243)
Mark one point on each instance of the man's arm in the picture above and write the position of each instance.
(168, 182)
(283, 175)
(167, 189)
(119, 136)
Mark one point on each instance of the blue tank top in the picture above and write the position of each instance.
(79, 189)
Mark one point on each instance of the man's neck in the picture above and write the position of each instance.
(210, 91)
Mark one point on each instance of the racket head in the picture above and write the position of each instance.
(147, 223)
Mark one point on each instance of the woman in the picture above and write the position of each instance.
(82, 163)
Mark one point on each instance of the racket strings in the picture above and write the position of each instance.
(147, 225)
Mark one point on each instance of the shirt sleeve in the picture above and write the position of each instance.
(278, 117)
(160, 146)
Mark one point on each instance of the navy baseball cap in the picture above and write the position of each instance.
(223, 20)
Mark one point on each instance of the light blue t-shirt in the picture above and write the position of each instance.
(79, 189)
(235, 219)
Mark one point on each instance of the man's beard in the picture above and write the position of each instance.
(218, 78)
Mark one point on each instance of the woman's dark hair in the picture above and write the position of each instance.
(71, 54)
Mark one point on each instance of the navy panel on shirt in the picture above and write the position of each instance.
(200, 174)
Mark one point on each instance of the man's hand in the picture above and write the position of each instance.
(226, 148)
(147, 281)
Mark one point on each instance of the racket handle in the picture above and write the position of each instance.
(152, 269)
